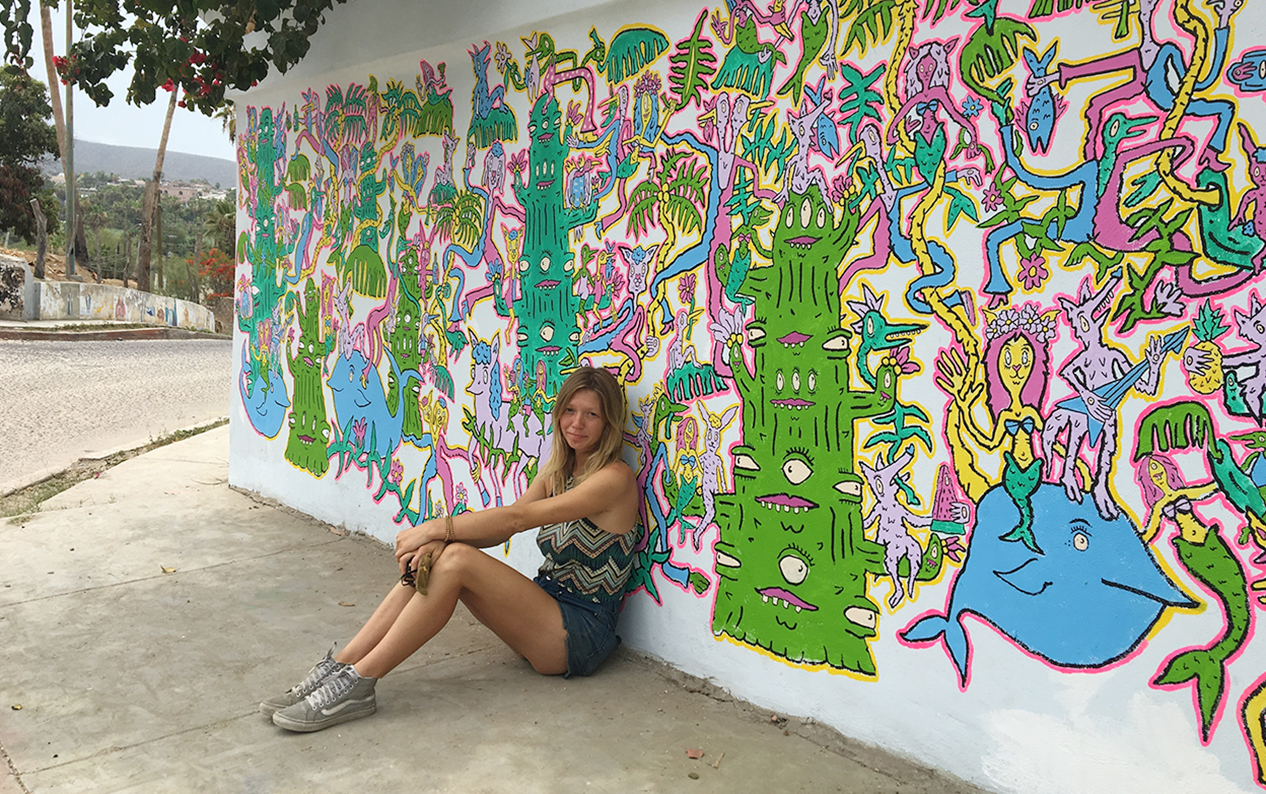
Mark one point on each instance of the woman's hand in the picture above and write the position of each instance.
(408, 540)
(413, 559)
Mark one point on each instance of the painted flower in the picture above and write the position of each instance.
(686, 288)
(972, 107)
(502, 57)
(839, 189)
(518, 161)
(903, 362)
(1033, 272)
(648, 83)
(359, 428)
(397, 472)
(992, 197)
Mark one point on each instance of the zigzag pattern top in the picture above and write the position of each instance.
(589, 561)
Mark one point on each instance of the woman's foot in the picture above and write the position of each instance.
(345, 695)
(316, 676)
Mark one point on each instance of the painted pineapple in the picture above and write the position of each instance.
(1204, 372)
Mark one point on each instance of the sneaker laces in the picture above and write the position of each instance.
(318, 672)
(335, 687)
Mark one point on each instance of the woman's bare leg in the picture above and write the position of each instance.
(376, 627)
(513, 606)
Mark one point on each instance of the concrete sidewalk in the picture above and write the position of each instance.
(131, 678)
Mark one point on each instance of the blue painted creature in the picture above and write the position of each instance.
(1042, 109)
(1249, 72)
(1086, 600)
(359, 395)
(265, 403)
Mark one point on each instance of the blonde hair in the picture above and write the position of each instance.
(562, 457)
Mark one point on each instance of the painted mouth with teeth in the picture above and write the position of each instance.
(803, 241)
(544, 183)
(785, 503)
(796, 403)
(306, 439)
(784, 599)
(794, 339)
(549, 350)
(548, 283)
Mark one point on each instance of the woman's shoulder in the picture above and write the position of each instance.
(619, 472)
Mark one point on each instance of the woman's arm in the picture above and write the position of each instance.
(604, 495)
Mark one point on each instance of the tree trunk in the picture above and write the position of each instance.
(149, 210)
(81, 248)
(41, 238)
(54, 83)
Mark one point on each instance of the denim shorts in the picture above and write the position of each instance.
(590, 627)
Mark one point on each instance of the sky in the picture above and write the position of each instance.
(128, 125)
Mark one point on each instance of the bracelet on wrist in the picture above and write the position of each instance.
(448, 529)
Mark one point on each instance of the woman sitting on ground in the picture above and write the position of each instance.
(563, 621)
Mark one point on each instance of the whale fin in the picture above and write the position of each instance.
(1209, 673)
(929, 628)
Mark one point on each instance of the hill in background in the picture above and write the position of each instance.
(135, 162)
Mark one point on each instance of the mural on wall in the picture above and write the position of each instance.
(928, 331)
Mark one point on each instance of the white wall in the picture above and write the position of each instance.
(1021, 723)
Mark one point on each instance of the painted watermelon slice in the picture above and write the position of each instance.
(943, 500)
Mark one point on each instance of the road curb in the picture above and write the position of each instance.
(106, 335)
(43, 475)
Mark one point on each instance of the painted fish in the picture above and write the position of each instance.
(1043, 107)
(1086, 600)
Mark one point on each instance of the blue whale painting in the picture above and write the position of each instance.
(1086, 600)
(265, 403)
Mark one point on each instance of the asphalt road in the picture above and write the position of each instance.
(61, 401)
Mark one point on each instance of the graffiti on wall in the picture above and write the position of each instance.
(910, 307)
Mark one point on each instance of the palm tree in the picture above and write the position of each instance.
(150, 208)
(221, 224)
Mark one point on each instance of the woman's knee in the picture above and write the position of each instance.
(457, 557)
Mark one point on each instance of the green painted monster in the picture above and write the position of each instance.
(546, 307)
(307, 446)
(402, 342)
(792, 560)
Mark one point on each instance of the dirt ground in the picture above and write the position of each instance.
(55, 267)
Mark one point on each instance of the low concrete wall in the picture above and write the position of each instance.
(68, 300)
(16, 289)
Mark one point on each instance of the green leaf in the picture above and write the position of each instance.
(690, 66)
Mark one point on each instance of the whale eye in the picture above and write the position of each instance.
(794, 569)
(1033, 126)
(1081, 541)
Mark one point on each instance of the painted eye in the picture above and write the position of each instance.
(407, 318)
(524, 266)
(806, 212)
(821, 217)
(795, 380)
(1081, 541)
(796, 471)
(778, 381)
(567, 266)
(547, 333)
(789, 212)
(813, 381)
(1033, 126)
(1006, 357)
(887, 380)
(1085, 324)
(870, 326)
(1260, 329)
(794, 569)
(545, 264)
(1024, 358)
(1261, 69)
